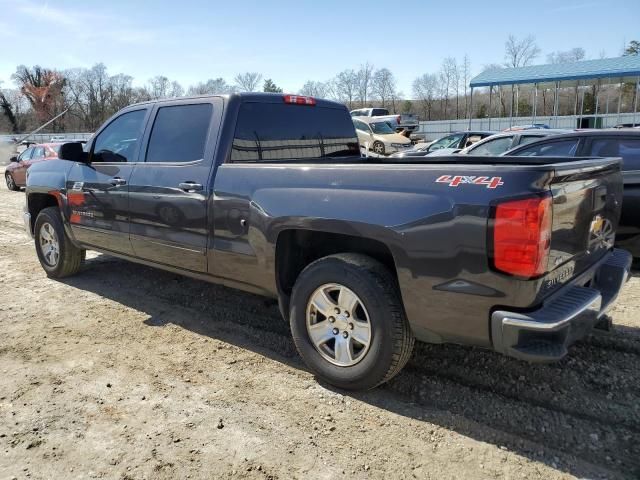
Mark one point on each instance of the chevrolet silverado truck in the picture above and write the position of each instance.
(268, 193)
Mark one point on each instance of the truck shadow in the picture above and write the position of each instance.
(580, 416)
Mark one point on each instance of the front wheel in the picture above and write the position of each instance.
(348, 322)
(58, 256)
(11, 183)
(378, 147)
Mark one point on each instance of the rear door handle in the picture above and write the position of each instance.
(190, 186)
(116, 181)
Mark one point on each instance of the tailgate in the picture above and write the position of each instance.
(587, 200)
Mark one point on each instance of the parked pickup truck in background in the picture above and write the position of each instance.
(403, 121)
(267, 193)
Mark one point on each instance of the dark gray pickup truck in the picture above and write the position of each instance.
(268, 193)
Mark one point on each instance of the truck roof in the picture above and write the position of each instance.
(255, 97)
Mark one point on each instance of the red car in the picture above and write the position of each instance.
(16, 172)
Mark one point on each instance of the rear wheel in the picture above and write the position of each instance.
(11, 184)
(348, 322)
(378, 147)
(58, 256)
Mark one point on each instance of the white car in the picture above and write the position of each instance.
(378, 136)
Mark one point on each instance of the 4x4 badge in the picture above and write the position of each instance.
(454, 181)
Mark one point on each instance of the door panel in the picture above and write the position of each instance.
(20, 172)
(169, 192)
(98, 192)
(98, 205)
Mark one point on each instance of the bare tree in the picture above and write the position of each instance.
(248, 82)
(347, 86)
(424, 90)
(213, 86)
(466, 78)
(447, 79)
(159, 87)
(312, 88)
(91, 92)
(568, 56)
(383, 85)
(520, 53)
(175, 89)
(365, 78)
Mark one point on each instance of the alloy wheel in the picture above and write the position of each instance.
(49, 244)
(338, 325)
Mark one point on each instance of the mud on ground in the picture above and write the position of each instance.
(125, 371)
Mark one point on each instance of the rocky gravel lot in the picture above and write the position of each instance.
(128, 372)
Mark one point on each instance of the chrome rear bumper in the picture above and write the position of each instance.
(543, 335)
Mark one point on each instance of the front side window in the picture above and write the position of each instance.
(26, 155)
(179, 133)
(272, 132)
(118, 141)
(562, 148)
(38, 153)
(492, 147)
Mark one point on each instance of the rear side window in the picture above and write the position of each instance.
(378, 112)
(271, 132)
(492, 147)
(361, 126)
(627, 148)
(526, 139)
(179, 133)
(563, 148)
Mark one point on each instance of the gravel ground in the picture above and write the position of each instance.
(125, 371)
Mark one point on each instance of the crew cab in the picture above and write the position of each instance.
(404, 121)
(268, 193)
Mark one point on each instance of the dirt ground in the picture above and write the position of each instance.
(128, 372)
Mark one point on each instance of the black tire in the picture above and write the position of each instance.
(11, 183)
(391, 338)
(69, 258)
(378, 147)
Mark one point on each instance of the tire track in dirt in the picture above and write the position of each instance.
(561, 406)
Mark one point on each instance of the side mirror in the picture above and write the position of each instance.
(72, 151)
(13, 159)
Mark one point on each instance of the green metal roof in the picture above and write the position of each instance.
(589, 69)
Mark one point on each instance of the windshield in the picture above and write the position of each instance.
(381, 128)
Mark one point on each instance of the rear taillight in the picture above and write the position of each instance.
(398, 119)
(299, 100)
(522, 236)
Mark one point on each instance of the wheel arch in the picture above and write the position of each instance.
(297, 248)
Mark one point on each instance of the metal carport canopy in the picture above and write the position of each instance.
(618, 67)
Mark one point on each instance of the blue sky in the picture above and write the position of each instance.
(294, 41)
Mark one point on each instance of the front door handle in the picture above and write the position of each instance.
(117, 181)
(190, 186)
